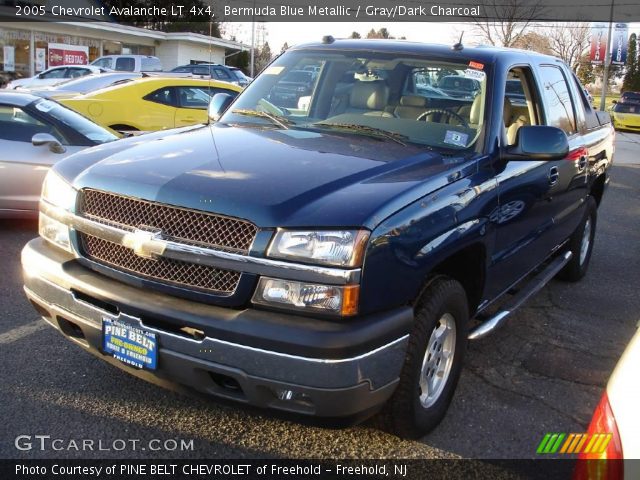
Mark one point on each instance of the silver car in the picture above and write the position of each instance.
(35, 133)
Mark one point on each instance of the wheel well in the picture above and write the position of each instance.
(597, 189)
(467, 266)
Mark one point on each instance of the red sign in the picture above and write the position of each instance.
(61, 54)
(598, 43)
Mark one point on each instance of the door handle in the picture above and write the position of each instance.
(554, 175)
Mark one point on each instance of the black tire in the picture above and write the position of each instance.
(578, 265)
(405, 415)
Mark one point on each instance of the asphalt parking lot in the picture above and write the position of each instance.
(543, 372)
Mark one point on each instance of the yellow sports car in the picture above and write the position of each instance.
(150, 103)
(626, 116)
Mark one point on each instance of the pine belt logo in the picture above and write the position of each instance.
(595, 443)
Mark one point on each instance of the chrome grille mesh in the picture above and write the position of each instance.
(177, 224)
(174, 272)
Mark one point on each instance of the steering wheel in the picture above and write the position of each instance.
(445, 112)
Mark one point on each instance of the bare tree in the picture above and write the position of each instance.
(516, 16)
(569, 41)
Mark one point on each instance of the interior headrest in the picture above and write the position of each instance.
(413, 101)
(507, 112)
(474, 114)
(370, 95)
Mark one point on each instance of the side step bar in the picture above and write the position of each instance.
(533, 287)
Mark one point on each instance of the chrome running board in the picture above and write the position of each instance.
(533, 287)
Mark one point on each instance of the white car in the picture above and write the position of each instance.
(617, 414)
(54, 75)
(35, 133)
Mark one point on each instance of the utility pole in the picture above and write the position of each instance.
(253, 39)
(607, 61)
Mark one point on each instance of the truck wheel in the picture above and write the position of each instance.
(433, 362)
(581, 245)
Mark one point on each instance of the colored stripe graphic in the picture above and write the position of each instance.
(551, 443)
(573, 443)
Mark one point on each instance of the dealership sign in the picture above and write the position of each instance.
(62, 54)
(598, 43)
(619, 44)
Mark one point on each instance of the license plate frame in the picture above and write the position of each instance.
(130, 344)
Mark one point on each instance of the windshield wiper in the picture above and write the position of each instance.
(279, 120)
(378, 132)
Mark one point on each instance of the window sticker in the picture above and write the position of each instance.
(45, 105)
(476, 65)
(456, 138)
(273, 71)
(475, 74)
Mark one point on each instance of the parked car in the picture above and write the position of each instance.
(87, 84)
(150, 103)
(35, 134)
(54, 75)
(295, 85)
(331, 260)
(626, 116)
(129, 63)
(617, 415)
(630, 97)
(458, 86)
(215, 71)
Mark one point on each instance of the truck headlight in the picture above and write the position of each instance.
(59, 193)
(332, 299)
(339, 248)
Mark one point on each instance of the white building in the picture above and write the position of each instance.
(24, 46)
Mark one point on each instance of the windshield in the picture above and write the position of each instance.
(74, 120)
(386, 93)
(626, 108)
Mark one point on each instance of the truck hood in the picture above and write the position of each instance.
(272, 177)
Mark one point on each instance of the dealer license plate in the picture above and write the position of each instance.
(131, 345)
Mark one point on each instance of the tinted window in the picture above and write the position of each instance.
(181, 70)
(126, 64)
(626, 108)
(197, 97)
(164, 96)
(103, 62)
(559, 109)
(19, 126)
(57, 73)
(222, 74)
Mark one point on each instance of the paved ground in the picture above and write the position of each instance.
(543, 372)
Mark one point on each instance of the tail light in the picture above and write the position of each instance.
(606, 464)
(577, 153)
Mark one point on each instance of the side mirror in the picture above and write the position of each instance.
(218, 105)
(538, 142)
(40, 139)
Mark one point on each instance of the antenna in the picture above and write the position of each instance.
(459, 46)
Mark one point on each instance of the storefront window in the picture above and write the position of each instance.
(14, 54)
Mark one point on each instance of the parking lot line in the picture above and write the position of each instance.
(20, 332)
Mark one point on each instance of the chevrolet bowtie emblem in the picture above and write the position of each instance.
(144, 243)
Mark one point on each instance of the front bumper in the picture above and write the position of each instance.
(331, 369)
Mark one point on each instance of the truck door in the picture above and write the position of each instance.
(524, 217)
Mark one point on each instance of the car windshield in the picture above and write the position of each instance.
(631, 96)
(386, 95)
(626, 108)
(74, 120)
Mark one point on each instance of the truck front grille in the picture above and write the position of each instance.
(164, 270)
(177, 224)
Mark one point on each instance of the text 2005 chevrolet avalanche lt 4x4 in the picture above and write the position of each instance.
(330, 256)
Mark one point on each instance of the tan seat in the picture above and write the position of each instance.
(512, 124)
(369, 98)
(411, 107)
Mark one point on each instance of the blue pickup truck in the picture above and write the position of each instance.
(333, 255)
